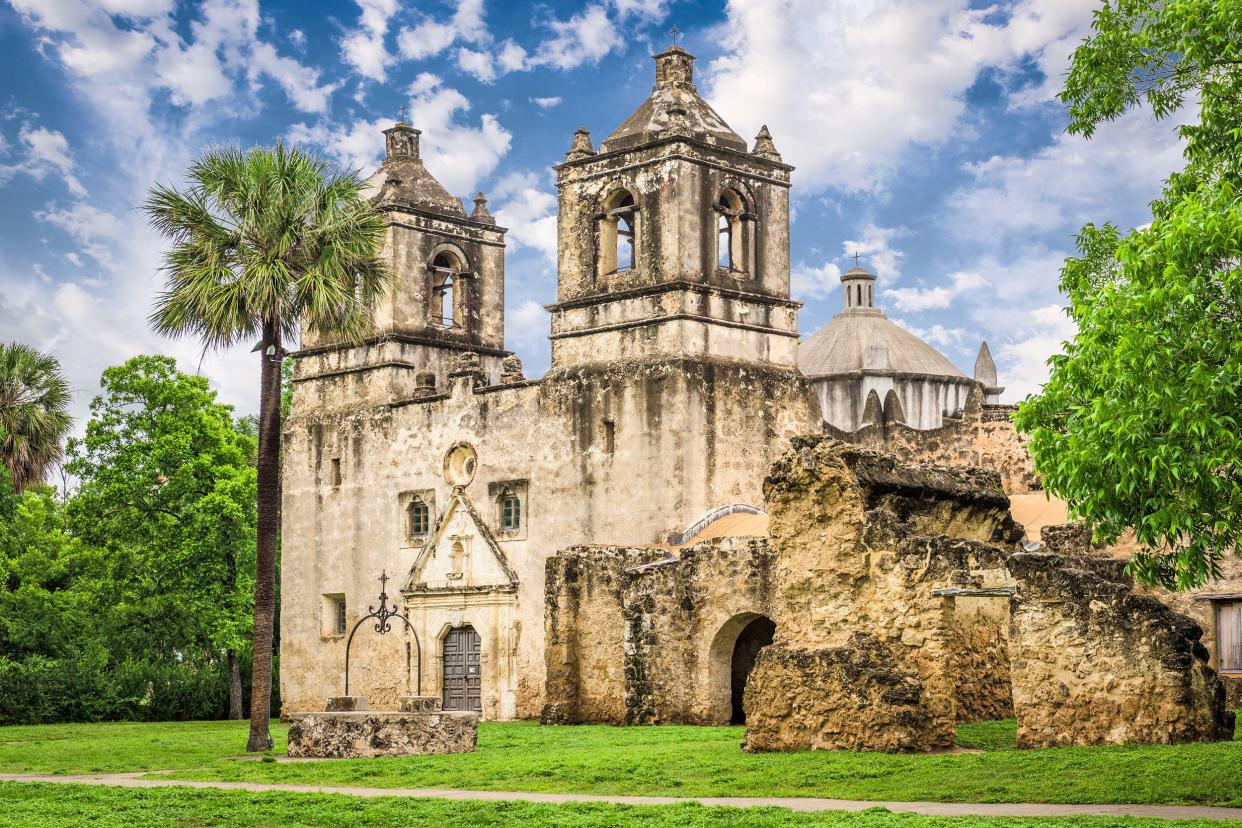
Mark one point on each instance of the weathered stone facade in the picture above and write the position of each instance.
(1093, 662)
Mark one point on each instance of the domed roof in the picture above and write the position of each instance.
(403, 180)
(861, 338)
(673, 108)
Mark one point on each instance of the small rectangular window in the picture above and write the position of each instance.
(510, 513)
(335, 474)
(334, 618)
(610, 436)
(1229, 636)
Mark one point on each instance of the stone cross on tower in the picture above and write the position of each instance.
(674, 32)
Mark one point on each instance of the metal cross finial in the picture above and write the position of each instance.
(856, 257)
(405, 112)
(674, 32)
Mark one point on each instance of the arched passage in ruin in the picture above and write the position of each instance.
(731, 659)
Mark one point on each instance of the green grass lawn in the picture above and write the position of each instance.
(673, 760)
(42, 806)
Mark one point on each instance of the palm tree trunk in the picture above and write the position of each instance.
(235, 688)
(267, 527)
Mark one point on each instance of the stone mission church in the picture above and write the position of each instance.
(677, 378)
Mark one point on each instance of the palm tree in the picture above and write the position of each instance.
(263, 242)
(33, 420)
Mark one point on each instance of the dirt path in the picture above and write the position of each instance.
(1019, 809)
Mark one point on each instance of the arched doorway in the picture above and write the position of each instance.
(462, 671)
(753, 637)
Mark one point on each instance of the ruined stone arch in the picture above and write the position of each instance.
(723, 696)
(616, 230)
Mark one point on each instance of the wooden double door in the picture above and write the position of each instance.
(462, 671)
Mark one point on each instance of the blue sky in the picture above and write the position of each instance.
(925, 132)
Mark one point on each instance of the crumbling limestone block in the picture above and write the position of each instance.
(853, 697)
(369, 733)
(1095, 663)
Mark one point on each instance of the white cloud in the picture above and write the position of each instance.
(135, 47)
(875, 248)
(44, 152)
(546, 103)
(363, 48)
(431, 37)
(1068, 182)
(584, 38)
(651, 9)
(93, 229)
(527, 324)
(944, 338)
(529, 212)
(458, 153)
(940, 296)
(847, 88)
(476, 64)
(806, 282)
(1022, 362)
(358, 146)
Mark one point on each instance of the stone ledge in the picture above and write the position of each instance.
(367, 733)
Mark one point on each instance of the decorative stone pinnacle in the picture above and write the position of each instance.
(481, 212)
(674, 68)
(401, 141)
(581, 147)
(764, 147)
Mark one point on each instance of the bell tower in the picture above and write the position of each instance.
(448, 282)
(673, 236)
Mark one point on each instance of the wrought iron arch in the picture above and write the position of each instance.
(383, 625)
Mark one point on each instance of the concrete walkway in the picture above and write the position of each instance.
(955, 809)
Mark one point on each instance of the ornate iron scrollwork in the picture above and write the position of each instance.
(383, 624)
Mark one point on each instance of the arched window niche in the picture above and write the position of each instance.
(617, 232)
(448, 271)
(734, 231)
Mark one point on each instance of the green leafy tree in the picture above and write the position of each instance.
(1139, 427)
(34, 399)
(263, 242)
(167, 490)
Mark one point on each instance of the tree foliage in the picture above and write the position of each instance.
(264, 243)
(133, 596)
(1138, 427)
(34, 399)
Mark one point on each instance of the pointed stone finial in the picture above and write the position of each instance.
(481, 212)
(985, 374)
(581, 146)
(401, 141)
(764, 147)
(985, 366)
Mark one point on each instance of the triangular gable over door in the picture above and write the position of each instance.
(461, 554)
